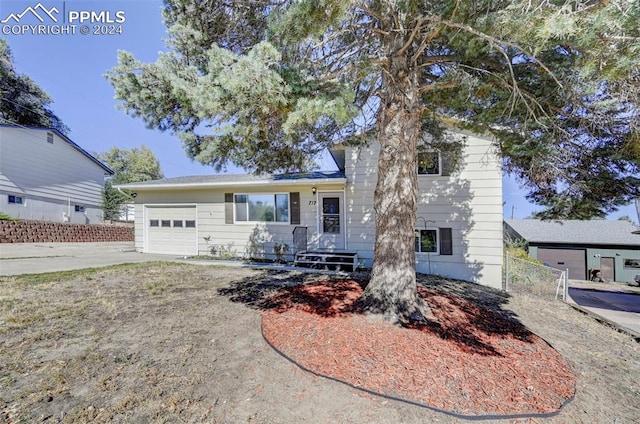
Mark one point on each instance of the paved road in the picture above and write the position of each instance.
(36, 258)
(618, 307)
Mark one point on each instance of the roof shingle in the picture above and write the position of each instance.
(576, 231)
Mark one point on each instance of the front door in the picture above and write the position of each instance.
(607, 268)
(331, 221)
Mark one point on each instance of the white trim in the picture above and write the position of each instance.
(222, 184)
(343, 214)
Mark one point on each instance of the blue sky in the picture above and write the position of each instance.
(70, 67)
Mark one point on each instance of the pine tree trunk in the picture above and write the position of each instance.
(392, 289)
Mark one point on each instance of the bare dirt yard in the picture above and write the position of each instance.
(184, 343)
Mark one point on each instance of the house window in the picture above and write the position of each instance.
(438, 241)
(18, 200)
(426, 241)
(154, 223)
(190, 223)
(261, 207)
(429, 163)
(50, 138)
(165, 223)
(632, 264)
(79, 208)
(177, 223)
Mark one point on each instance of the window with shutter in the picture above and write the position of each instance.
(446, 241)
(228, 208)
(294, 198)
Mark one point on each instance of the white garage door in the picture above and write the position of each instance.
(172, 230)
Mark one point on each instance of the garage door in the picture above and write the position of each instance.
(172, 230)
(575, 260)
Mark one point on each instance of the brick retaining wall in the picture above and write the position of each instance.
(56, 232)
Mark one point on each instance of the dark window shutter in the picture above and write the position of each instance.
(446, 241)
(447, 163)
(228, 208)
(294, 199)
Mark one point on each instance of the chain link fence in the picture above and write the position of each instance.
(522, 276)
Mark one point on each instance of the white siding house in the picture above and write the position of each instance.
(458, 230)
(459, 216)
(45, 176)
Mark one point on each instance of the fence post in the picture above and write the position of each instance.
(506, 275)
(566, 285)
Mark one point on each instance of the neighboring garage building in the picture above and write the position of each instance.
(583, 247)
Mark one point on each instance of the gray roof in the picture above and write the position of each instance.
(576, 232)
(227, 180)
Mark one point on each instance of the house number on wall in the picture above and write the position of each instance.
(312, 202)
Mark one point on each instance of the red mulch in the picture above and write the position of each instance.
(470, 361)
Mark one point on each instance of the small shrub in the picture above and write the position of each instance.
(280, 251)
(223, 252)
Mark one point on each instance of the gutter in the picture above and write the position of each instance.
(233, 184)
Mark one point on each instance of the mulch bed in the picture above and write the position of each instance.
(470, 361)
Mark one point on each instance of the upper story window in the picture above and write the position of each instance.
(262, 207)
(50, 137)
(18, 200)
(429, 163)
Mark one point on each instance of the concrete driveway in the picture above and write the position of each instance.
(36, 258)
(619, 308)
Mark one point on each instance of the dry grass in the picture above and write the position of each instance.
(179, 343)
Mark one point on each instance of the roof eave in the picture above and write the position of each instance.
(300, 182)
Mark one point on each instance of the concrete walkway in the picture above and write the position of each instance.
(38, 258)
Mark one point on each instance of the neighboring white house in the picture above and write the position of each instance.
(47, 177)
(458, 230)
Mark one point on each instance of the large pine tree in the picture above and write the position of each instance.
(22, 101)
(266, 84)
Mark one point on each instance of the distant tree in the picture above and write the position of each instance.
(22, 101)
(134, 165)
(626, 218)
(276, 81)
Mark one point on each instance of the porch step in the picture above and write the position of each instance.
(343, 261)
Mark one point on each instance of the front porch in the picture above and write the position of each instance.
(325, 259)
